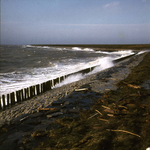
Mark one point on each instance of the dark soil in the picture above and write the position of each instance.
(122, 120)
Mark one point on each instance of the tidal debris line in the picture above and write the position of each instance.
(28, 93)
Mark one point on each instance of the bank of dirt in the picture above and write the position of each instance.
(118, 119)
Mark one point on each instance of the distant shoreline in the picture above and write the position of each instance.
(101, 46)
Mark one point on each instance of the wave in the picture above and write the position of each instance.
(80, 49)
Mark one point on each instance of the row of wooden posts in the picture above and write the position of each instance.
(30, 92)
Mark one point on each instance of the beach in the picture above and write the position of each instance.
(27, 120)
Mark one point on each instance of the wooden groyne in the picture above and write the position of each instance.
(29, 92)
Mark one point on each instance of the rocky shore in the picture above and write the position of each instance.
(21, 125)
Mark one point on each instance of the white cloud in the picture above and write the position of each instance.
(144, 0)
(111, 5)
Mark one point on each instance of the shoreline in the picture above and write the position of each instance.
(97, 84)
(60, 92)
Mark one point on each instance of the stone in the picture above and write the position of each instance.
(32, 121)
(66, 103)
(35, 115)
(56, 103)
(57, 109)
(41, 127)
(14, 137)
(73, 110)
(47, 121)
(54, 114)
(64, 111)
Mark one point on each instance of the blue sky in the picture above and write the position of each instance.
(75, 21)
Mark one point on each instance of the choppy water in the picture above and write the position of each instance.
(23, 66)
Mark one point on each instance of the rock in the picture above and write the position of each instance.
(66, 103)
(52, 111)
(47, 121)
(14, 137)
(38, 114)
(41, 127)
(73, 110)
(56, 103)
(54, 114)
(64, 111)
(32, 121)
(24, 127)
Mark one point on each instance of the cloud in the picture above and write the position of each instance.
(144, 0)
(109, 5)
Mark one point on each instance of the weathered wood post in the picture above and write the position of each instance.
(37, 89)
(22, 95)
(42, 88)
(0, 103)
(25, 94)
(33, 90)
(27, 89)
(3, 98)
(18, 96)
(7, 99)
(56, 81)
(61, 79)
(12, 95)
(31, 93)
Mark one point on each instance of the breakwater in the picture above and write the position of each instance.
(29, 92)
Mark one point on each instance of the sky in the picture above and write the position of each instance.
(75, 22)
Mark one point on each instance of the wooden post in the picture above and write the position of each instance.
(3, 98)
(56, 81)
(33, 90)
(7, 99)
(12, 95)
(37, 89)
(20, 92)
(22, 95)
(42, 88)
(50, 84)
(31, 93)
(18, 96)
(61, 79)
(28, 93)
(25, 94)
(0, 103)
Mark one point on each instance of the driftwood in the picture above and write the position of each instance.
(45, 109)
(99, 112)
(84, 89)
(110, 115)
(132, 86)
(102, 119)
(105, 107)
(110, 111)
(124, 131)
(92, 116)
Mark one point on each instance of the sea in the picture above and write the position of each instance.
(22, 66)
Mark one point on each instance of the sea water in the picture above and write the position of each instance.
(22, 66)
